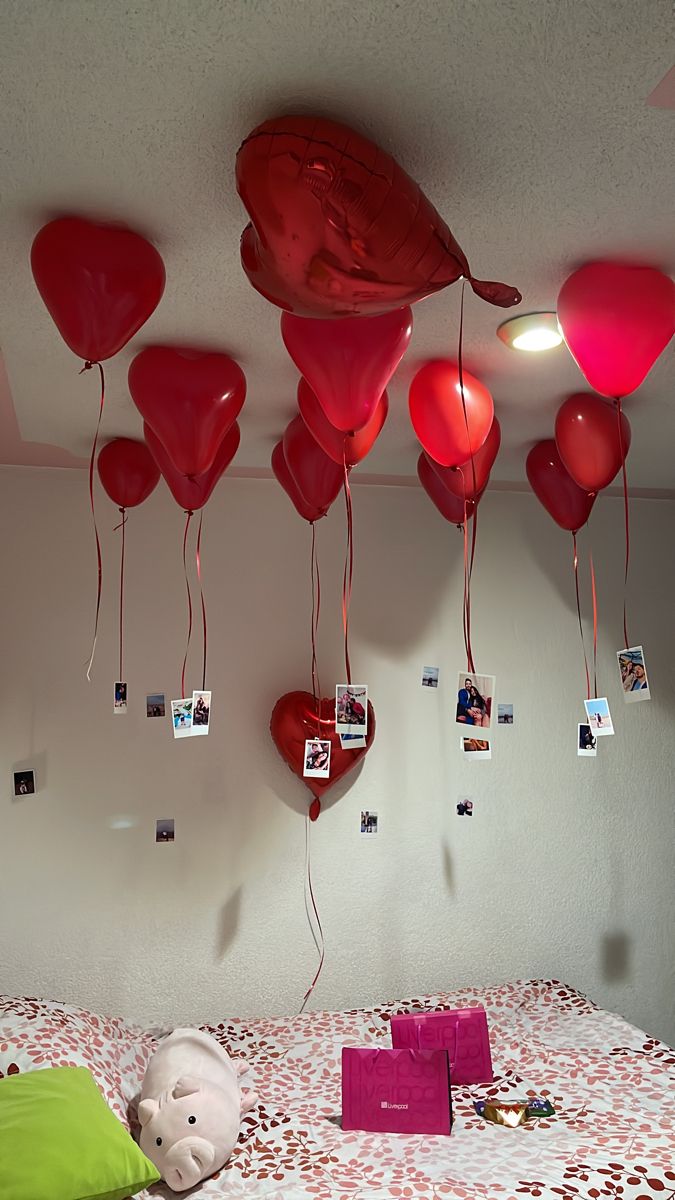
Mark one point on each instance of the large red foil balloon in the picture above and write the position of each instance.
(317, 477)
(588, 440)
(297, 718)
(469, 479)
(100, 283)
(568, 504)
(449, 506)
(308, 512)
(127, 471)
(437, 413)
(193, 492)
(189, 398)
(616, 320)
(337, 445)
(348, 364)
(337, 227)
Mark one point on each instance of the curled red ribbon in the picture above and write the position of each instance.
(92, 461)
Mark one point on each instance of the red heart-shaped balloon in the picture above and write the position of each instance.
(568, 504)
(348, 363)
(308, 512)
(127, 471)
(100, 283)
(189, 398)
(317, 477)
(588, 439)
(193, 492)
(337, 445)
(449, 434)
(471, 479)
(449, 506)
(297, 718)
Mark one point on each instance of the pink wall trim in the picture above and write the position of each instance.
(14, 451)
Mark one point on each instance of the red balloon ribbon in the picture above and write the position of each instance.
(198, 564)
(189, 516)
(316, 613)
(319, 942)
(468, 569)
(624, 476)
(87, 366)
(348, 574)
(198, 561)
(122, 526)
(575, 566)
(595, 625)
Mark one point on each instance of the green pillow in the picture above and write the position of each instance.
(60, 1141)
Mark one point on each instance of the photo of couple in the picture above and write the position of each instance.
(317, 759)
(351, 708)
(633, 674)
(475, 700)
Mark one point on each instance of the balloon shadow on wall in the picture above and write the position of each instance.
(293, 793)
(615, 957)
(228, 922)
(401, 576)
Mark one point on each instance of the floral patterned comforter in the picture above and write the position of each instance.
(613, 1089)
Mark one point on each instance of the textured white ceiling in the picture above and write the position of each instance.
(525, 122)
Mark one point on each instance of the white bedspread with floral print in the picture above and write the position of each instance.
(612, 1087)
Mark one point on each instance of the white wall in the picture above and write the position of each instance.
(565, 870)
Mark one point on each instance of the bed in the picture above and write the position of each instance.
(612, 1086)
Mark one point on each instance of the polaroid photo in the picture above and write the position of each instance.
(317, 759)
(165, 831)
(201, 713)
(586, 742)
(475, 748)
(464, 806)
(633, 674)
(352, 741)
(430, 677)
(505, 714)
(351, 708)
(599, 717)
(24, 783)
(155, 705)
(120, 702)
(475, 700)
(181, 717)
(368, 822)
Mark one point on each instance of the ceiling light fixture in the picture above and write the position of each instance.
(532, 332)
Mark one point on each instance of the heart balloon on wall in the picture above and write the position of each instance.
(127, 471)
(351, 448)
(189, 398)
(100, 283)
(296, 718)
(616, 320)
(349, 363)
(568, 504)
(316, 476)
(308, 512)
(588, 440)
(192, 492)
(338, 228)
(470, 479)
(448, 435)
(449, 506)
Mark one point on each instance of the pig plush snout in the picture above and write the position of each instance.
(188, 1161)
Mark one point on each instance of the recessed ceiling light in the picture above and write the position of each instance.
(532, 332)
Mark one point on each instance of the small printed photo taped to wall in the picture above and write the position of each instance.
(505, 714)
(181, 717)
(369, 822)
(165, 830)
(475, 701)
(155, 705)
(430, 677)
(24, 783)
(599, 716)
(633, 672)
(586, 742)
(120, 700)
(475, 748)
(201, 713)
(317, 759)
(464, 806)
(351, 708)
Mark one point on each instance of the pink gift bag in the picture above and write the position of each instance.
(463, 1032)
(396, 1091)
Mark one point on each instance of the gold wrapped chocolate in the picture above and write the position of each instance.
(505, 1114)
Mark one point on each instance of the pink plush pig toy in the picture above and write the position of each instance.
(190, 1108)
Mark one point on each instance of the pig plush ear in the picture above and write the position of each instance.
(147, 1110)
(187, 1085)
(248, 1101)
